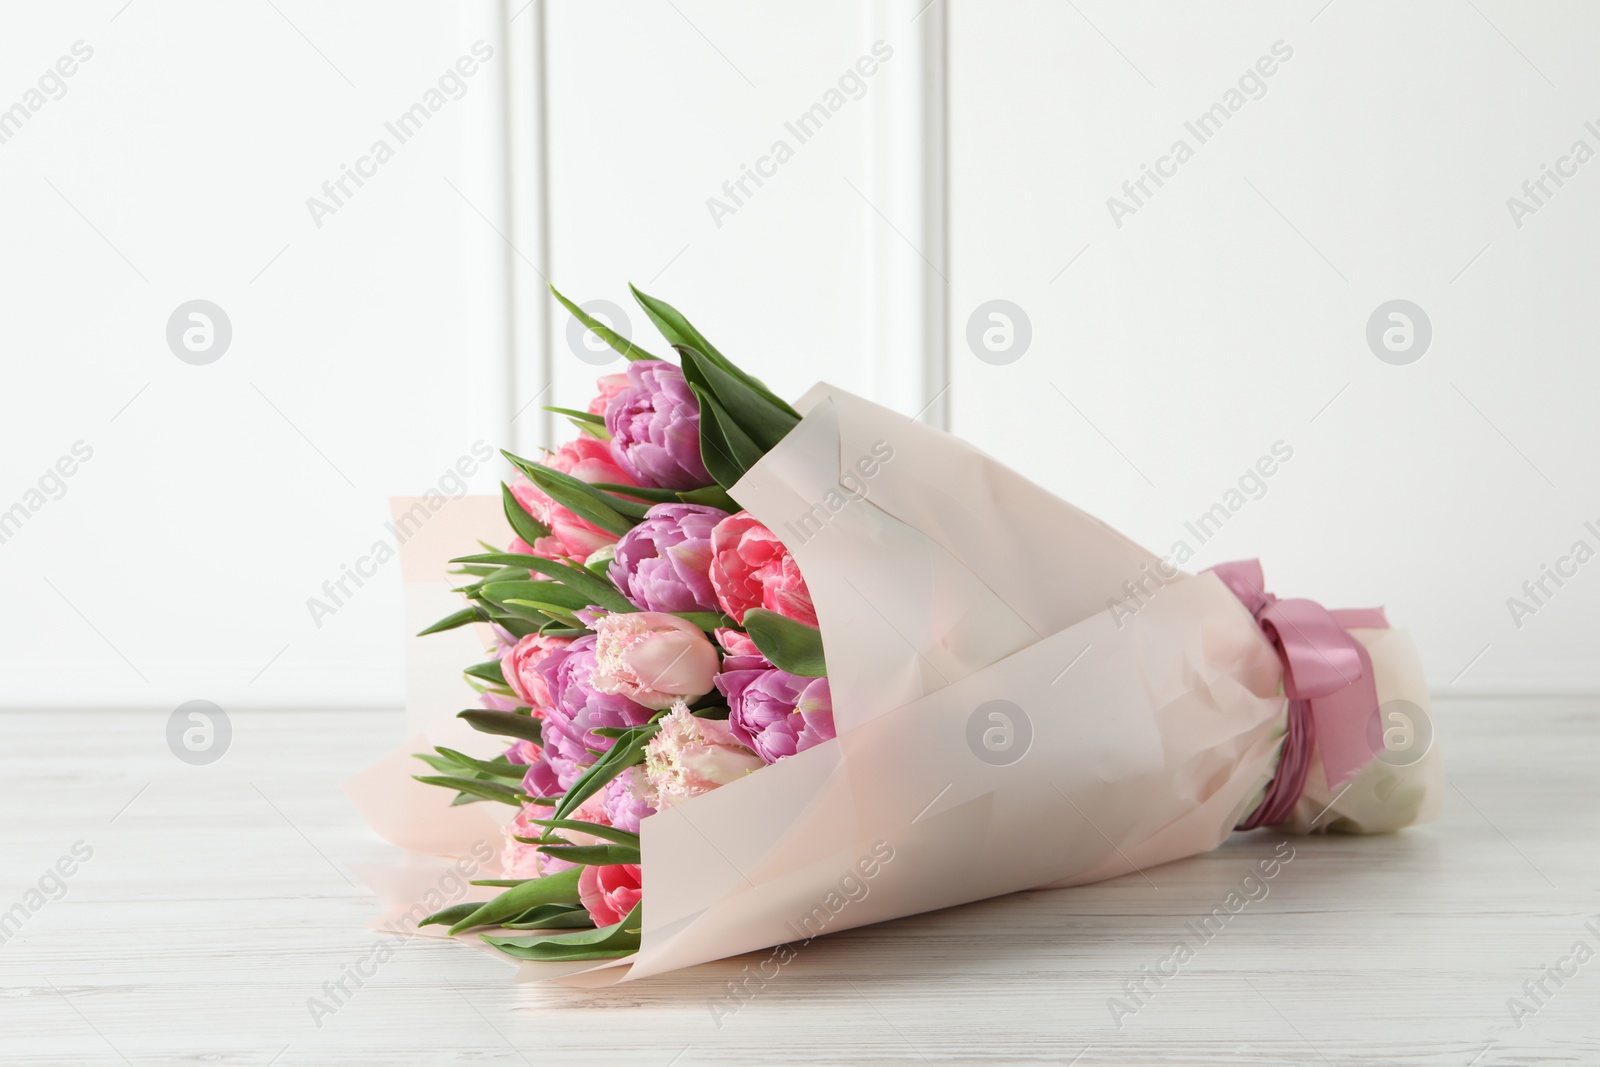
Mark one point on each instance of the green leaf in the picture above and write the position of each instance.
(551, 917)
(618, 939)
(438, 763)
(454, 913)
(598, 562)
(599, 433)
(579, 416)
(791, 646)
(549, 592)
(556, 630)
(510, 572)
(633, 509)
(478, 787)
(706, 620)
(448, 761)
(450, 622)
(725, 449)
(655, 496)
(624, 753)
(553, 612)
(575, 494)
(516, 626)
(521, 610)
(523, 525)
(765, 422)
(489, 671)
(593, 855)
(553, 889)
(712, 496)
(593, 829)
(546, 614)
(679, 331)
(605, 333)
(494, 574)
(503, 724)
(500, 767)
(557, 954)
(600, 590)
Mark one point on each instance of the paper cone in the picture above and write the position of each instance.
(999, 728)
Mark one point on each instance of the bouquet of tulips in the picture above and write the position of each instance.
(654, 641)
(767, 671)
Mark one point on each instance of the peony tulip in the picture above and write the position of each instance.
(520, 666)
(655, 428)
(691, 755)
(609, 385)
(777, 713)
(576, 709)
(751, 568)
(610, 892)
(653, 659)
(589, 460)
(663, 564)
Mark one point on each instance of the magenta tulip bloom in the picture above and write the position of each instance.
(655, 427)
(664, 563)
(776, 713)
(576, 709)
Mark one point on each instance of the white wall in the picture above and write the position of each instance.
(795, 275)
(369, 354)
(177, 166)
(1229, 311)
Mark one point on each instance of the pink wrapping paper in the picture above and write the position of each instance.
(945, 583)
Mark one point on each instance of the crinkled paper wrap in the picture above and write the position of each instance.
(950, 591)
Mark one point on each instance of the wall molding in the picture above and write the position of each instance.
(528, 372)
(907, 168)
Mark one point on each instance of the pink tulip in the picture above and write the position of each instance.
(588, 460)
(522, 859)
(520, 664)
(751, 568)
(739, 651)
(652, 658)
(519, 859)
(610, 892)
(610, 385)
(691, 755)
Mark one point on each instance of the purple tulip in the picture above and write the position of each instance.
(541, 779)
(777, 713)
(664, 563)
(621, 802)
(576, 710)
(655, 428)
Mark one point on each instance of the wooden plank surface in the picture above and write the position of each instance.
(218, 900)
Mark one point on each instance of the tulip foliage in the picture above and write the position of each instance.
(651, 641)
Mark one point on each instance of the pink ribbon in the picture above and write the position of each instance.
(1327, 676)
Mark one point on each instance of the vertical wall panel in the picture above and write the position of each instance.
(659, 117)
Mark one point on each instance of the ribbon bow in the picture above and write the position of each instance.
(1327, 676)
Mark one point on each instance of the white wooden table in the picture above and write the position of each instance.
(217, 901)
